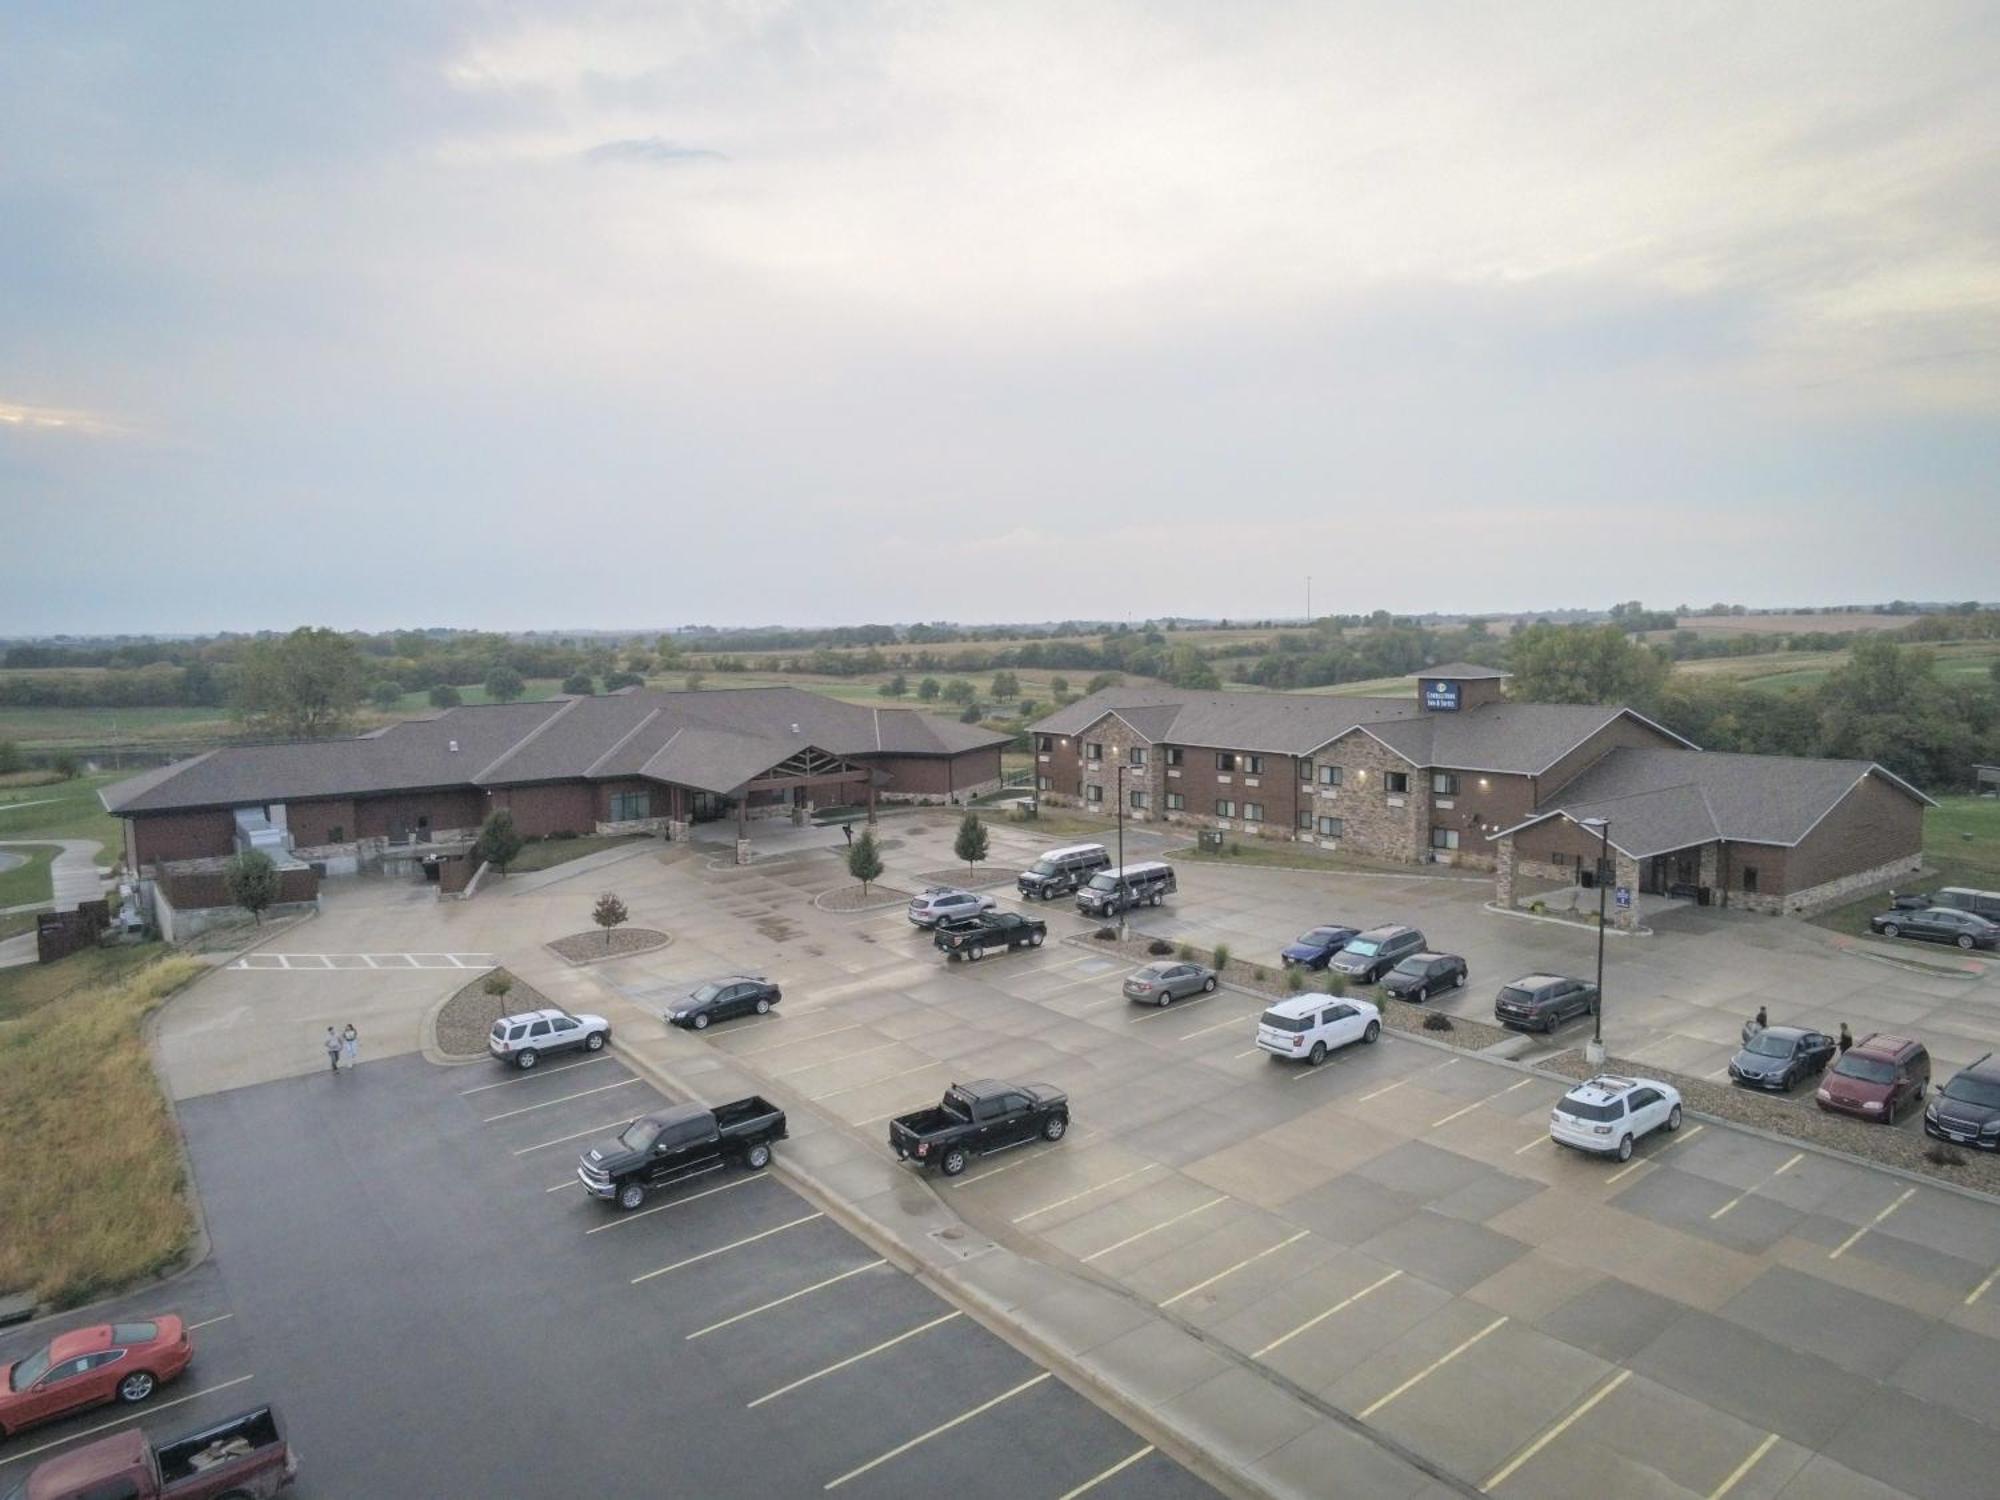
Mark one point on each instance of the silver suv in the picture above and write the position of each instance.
(940, 903)
(526, 1039)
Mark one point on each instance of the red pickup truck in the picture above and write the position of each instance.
(244, 1458)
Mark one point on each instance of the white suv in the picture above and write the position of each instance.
(1607, 1114)
(1310, 1026)
(943, 902)
(523, 1040)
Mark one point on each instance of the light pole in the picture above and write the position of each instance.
(1118, 788)
(1594, 1053)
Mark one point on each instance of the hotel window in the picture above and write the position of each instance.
(337, 834)
(1175, 801)
(1444, 783)
(1045, 742)
(1093, 793)
(1093, 751)
(1750, 879)
(1395, 781)
(1329, 775)
(1329, 828)
(1173, 755)
(1253, 765)
(1138, 756)
(1253, 812)
(1225, 760)
(1305, 822)
(630, 807)
(1137, 799)
(1444, 838)
(1305, 770)
(1224, 808)
(1043, 783)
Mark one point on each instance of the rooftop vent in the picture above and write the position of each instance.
(795, 729)
(452, 746)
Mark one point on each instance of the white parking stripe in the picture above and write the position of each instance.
(324, 963)
(789, 1041)
(1540, 1140)
(150, 1407)
(1736, 1474)
(1461, 1113)
(853, 1359)
(533, 1073)
(1218, 1026)
(606, 1129)
(1100, 1187)
(657, 1208)
(1848, 1243)
(1796, 1159)
(1246, 1261)
(1501, 1475)
(1164, 1223)
(1117, 1468)
(1380, 1092)
(573, 1182)
(803, 1291)
(1340, 1306)
(1980, 1291)
(920, 1067)
(1185, 1005)
(942, 1427)
(732, 1245)
(210, 1322)
(826, 1061)
(1637, 1162)
(1026, 1161)
(528, 1109)
(1429, 1370)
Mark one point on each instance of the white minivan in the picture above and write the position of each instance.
(1310, 1026)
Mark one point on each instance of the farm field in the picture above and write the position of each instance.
(1964, 660)
(1821, 624)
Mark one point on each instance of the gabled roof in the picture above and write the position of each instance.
(1657, 801)
(1522, 739)
(696, 739)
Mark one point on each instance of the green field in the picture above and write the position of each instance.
(67, 810)
(1958, 661)
(1961, 847)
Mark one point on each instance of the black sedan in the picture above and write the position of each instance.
(1422, 975)
(1779, 1057)
(719, 999)
(1938, 924)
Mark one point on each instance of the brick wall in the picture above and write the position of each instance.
(317, 824)
(189, 889)
(1062, 765)
(549, 807)
(450, 808)
(940, 776)
(182, 835)
(1873, 825)
(1484, 800)
(1205, 786)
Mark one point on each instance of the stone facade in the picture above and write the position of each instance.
(1374, 820)
(1842, 888)
(1116, 741)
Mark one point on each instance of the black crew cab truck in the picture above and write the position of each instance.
(975, 1118)
(970, 937)
(672, 1145)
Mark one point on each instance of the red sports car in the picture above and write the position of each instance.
(109, 1362)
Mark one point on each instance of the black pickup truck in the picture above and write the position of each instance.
(685, 1141)
(977, 1117)
(970, 937)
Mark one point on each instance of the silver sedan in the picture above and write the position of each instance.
(1158, 983)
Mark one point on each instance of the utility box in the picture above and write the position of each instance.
(1209, 840)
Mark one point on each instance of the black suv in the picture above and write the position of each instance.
(1967, 1109)
(1542, 1002)
(1371, 954)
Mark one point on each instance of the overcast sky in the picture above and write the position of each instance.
(603, 316)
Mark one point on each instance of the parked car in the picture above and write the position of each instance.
(1309, 1027)
(1422, 975)
(526, 1039)
(1967, 1109)
(243, 1458)
(1964, 898)
(1608, 1114)
(1939, 924)
(1876, 1078)
(1542, 1002)
(1915, 900)
(1169, 979)
(970, 937)
(1061, 871)
(719, 999)
(92, 1366)
(941, 902)
(686, 1140)
(1778, 1057)
(1316, 948)
(1371, 954)
(975, 1118)
(1112, 891)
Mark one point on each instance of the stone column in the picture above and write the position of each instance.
(1625, 918)
(1503, 873)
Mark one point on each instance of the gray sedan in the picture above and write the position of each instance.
(1158, 983)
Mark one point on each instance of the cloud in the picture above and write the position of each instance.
(15, 416)
(651, 151)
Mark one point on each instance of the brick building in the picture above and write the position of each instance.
(1460, 772)
(633, 761)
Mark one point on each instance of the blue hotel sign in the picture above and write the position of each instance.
(1441, 695)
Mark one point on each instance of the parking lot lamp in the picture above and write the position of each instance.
(1118, 787)
(1594, 1053)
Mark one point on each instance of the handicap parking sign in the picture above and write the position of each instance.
(1624, 896)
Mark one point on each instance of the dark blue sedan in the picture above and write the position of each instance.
(1314, 949)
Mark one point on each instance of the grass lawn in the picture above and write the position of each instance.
(90, 1204)
(1961, 844)
(546, 854)
(1777, 671)
(43, 729)
(28, 882)
(69, 810)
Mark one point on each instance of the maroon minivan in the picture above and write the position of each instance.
(1877, 1078)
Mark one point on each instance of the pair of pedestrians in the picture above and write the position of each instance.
(345, 1044)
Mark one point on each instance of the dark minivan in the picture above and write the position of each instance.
(1876, 1078)
(1542, 1002)
(1422, 975)
(1371, 954)
(1967, 1109)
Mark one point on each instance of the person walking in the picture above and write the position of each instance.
(1846, 1039)
(1753, 1027)
(332, 1045)
(848, 829)
(350, 1045)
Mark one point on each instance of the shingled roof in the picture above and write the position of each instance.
(1657, 801)
(712, 741)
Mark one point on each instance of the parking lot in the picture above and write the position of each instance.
(405, 1265)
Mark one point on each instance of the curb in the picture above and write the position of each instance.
(903, 898)
(1611, 929)
(666, 941)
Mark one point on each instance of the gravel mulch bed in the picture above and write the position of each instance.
(467, 1017)
(1803, 1121)
(590, 947)
(958, 880)
(850, 898)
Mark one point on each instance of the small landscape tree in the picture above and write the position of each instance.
(386, 695)
(65, 766)
(1005, 686)
(609, 913)
(969, 714)
(971, 843)
(895, 687)
(498, 984)
(928, 689)
(864, 860)
(252, 881)
(1058, 686)
(444, 695)
(504, 685)
(499, 840)
(958, 690)
(579, 685)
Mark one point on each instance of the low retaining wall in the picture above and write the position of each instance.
(184, 924)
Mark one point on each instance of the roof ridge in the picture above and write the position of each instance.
(514, 749)
(623, 740)
(647, 768)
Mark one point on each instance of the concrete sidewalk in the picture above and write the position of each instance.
(1237, 1423)
(74, 877)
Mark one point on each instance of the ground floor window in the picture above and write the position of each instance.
(630, 807)
(1175, 801)
(1305, 821)
(1329, 828)
(1444, 838)
(1137, 800)
(1253, 812)
(1043, 783)
(1224, 808)
(337, 834)
(1093, 793)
